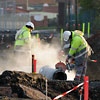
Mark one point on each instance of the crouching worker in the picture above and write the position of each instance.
(79, 50)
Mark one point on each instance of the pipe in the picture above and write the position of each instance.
(53, 74)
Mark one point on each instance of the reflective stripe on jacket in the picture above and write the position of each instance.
(77, 44)
(23, 37)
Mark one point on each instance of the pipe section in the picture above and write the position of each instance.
(53, 74)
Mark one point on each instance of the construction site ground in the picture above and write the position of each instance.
(19, 82)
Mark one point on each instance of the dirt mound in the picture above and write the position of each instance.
(94, 67)
(15, 84)
(22, 85)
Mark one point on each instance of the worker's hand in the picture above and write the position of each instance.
(68, 67)
(69, 59)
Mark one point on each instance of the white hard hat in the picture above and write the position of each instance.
(66, 35)
(30, 24)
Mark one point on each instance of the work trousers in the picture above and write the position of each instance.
(81, 65)
(23, 56)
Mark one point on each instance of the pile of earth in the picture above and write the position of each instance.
(93, 70)
(15, 85)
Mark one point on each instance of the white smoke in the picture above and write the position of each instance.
(44, 53)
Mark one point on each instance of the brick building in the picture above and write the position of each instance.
(36, 6)
(25, 10)
(31, 3)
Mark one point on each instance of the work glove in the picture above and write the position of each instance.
(68, 58)
(68, 67)
(69, 62)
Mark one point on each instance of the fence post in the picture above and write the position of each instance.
(46, 89)
(83, 28)
(61, 37)
(88, 29)
(33, 64)
(86, 88)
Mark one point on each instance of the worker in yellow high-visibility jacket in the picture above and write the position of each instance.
(23, 39)
(79, 51)
(23, 36)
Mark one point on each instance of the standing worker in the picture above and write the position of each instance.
(23, 39)
(79, 51)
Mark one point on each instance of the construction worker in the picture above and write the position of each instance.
(79, 50)
(23, 39)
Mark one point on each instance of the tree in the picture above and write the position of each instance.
(97, 4)
(89, 4)
(90, 11)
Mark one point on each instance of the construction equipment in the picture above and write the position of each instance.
(58, 73)
(68, 66)
(61, 66)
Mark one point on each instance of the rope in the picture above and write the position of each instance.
(59, 96)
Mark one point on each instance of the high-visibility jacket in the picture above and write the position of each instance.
(78, 43)
(23, 36)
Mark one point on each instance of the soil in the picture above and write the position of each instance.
(55, 87)
(26, 85)
(93, 70)
(21, 85)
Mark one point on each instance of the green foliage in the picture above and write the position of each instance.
(96, 23)
(89, 4)
(90, 12)
(97, 5)
(86, 4)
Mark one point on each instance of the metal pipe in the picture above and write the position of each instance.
(53, 74)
